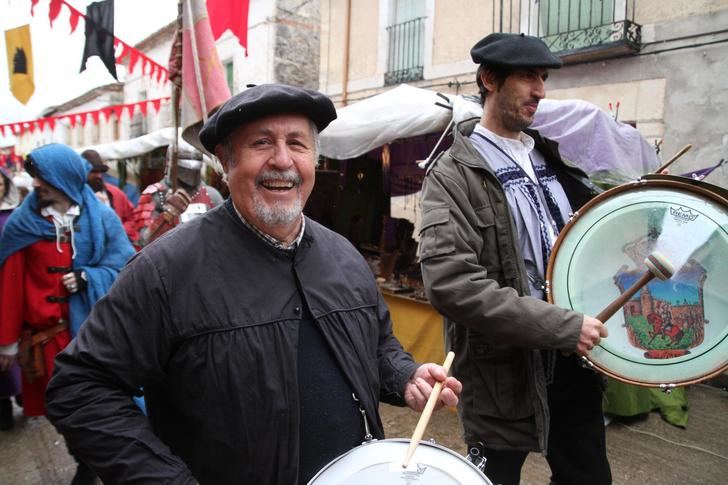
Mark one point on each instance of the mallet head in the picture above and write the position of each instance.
(659, 265)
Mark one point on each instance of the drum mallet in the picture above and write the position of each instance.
(427, 413)
(657, 265)
(679, 154)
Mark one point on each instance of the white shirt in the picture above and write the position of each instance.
(519, 150)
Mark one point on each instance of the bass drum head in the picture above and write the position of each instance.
(672, 332)
(380, 463)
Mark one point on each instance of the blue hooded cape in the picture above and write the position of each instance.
(102, 247)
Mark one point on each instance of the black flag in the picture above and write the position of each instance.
(100, 35)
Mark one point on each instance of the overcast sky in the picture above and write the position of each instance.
(57, 52)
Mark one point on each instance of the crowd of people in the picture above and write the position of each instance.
(258, 338)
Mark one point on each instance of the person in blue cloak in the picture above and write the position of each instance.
(60, 251)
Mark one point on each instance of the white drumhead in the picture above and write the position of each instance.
(380, 463)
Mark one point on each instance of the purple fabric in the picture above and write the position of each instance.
(10, 382)
(4, 217)
(405, 177)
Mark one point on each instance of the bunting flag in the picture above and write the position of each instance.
(20, 62)
(22, 127)
(149, 66)
(204, 87)
(100, 35)
(232, 15)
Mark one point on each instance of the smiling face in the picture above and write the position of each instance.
(510, 108)
(270, 169)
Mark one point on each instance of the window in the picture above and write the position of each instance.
(406, 49)
(229, 74)
(572, 26)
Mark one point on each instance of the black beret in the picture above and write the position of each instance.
(514, 50)
(265, 100)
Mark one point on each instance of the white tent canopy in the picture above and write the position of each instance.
(398, 113)
(587, 135)
(120, 150)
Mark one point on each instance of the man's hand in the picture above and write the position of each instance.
(592, 332)
(6, 361)
(419, 387)
(177, 203)
(70, 282)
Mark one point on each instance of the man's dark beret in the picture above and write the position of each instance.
(265, 100)
(514, 50)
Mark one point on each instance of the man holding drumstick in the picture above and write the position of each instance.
(259, 336)
(492, 207)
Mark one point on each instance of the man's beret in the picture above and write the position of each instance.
(514, 50)
(265, 100)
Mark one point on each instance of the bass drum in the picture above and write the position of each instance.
(380, 463)
(673, 332)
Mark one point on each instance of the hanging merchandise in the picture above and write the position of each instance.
(20, 62)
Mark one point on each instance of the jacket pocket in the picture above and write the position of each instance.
(490, 256)
(437, 236)
(501, 384)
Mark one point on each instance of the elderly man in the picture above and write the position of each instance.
(60, 252)
(492, 207)
(259, 336)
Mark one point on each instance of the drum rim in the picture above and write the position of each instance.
(664, 181)
(402, 440)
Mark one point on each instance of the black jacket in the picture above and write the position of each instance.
(206, 321)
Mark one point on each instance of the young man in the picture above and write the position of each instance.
(60, 252)
(259, 336)
(492, 206)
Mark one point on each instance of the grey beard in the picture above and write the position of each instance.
(277, 214)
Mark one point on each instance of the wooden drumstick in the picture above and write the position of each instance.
(427, 413)
(658, 266)
(675, 157)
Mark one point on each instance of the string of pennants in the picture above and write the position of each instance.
(135, 57)
(21, 127)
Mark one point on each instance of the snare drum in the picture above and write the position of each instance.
(380, 463)
(671, 333)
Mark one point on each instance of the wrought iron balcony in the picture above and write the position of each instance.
(406, 51)
(575, 30)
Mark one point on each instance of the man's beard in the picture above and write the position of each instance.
(97, 185)
(278, 214)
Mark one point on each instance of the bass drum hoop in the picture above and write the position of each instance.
(664, 181)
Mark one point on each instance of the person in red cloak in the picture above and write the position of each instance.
(60, 251)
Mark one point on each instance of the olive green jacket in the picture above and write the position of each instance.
(474, 276)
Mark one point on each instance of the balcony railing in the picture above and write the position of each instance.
(576, 30)
(406, 52)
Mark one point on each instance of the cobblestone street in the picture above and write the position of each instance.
(647, 452)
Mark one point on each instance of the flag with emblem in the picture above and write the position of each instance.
(20, 62)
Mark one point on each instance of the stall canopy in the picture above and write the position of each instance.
(606, 149)
(136, 147)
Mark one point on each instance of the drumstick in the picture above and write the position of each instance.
(657, 266)
(675, 157)
(427, 413)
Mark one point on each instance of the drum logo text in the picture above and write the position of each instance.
(682, 215)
